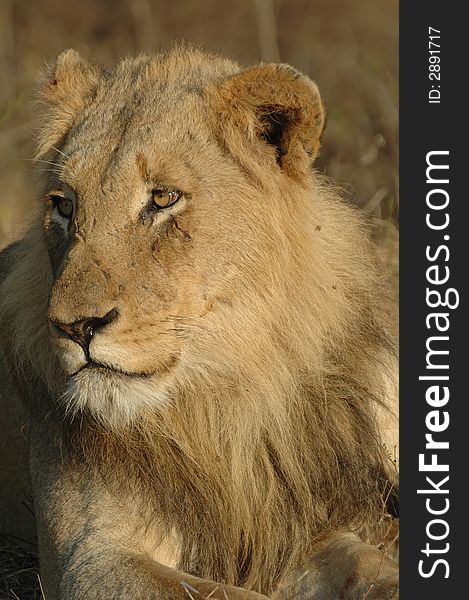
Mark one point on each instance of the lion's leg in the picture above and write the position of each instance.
(343, 567)
(95, 546)
(140, 578)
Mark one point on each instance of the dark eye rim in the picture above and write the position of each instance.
(56, 199)
(175, 194)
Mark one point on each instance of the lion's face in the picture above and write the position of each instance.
(165, 220)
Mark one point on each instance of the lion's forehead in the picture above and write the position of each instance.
(156, 107)
(130, 123)
(108, 144)
(152, 95)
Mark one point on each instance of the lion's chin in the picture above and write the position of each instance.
(114, 398)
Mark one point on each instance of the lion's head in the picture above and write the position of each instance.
(183, 226)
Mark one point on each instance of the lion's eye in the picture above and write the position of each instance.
(63, 205)
(163, 198)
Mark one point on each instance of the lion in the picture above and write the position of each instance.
(198, 342)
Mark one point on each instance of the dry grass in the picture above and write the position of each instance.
(348, 46)
(18, 570)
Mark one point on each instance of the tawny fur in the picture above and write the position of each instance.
(252, 316)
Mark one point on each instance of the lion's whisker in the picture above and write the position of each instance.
(60, 152)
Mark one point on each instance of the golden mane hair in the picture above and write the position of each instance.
(269, 437)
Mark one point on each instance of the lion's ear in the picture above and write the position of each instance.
(66, 88)
(278, 105)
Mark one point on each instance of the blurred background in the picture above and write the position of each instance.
(349, 47)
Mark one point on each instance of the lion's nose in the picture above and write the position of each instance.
(83, 330)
